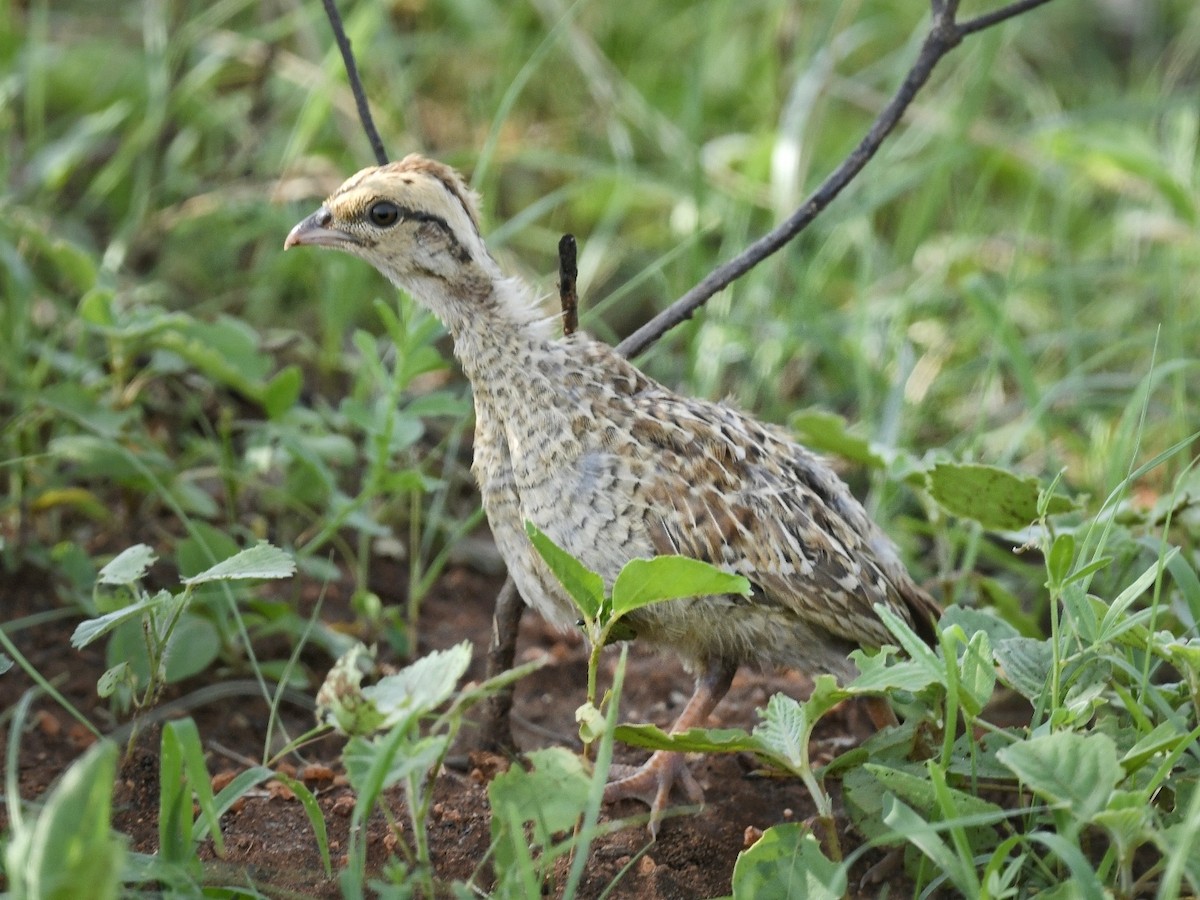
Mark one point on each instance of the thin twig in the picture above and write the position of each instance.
(944, 34)
(360, 96)
(568, 273)
(987, 20)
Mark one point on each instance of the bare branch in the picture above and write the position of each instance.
(360, 96)
(944, 34)
(993, 18)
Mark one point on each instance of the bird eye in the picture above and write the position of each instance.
(384, 214)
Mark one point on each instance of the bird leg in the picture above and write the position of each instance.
(652, 782)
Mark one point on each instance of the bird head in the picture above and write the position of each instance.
(413, 220)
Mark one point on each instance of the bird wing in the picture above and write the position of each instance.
(721, 487)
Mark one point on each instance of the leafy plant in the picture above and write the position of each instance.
(640, 582)
(396, 739)
(68, 849)
(173, 639)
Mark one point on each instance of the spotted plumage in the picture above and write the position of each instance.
(613, 466)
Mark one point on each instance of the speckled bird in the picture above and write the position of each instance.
(613, 466)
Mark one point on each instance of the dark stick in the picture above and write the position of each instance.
(944, 34)
(568, 272)
(360, 96)
(496, 727)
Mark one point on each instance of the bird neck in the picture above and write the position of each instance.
(495, 320)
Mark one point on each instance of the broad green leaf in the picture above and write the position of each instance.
(127, 566)
(421, 687)
(584, 585)
(993, 497)
(263, 560)
(70, 850)
(645, 581)
(1079, 771)
(787, 863)
(1025, 665)
(827, 432)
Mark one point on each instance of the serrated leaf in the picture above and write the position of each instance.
(127, 566)
(90, 629)
(645, 581)
(263, 560)
(1079, 771)
(584, 585)
(784, 730)
(877, 675)
(993, 497)
(421, 687)
(787, 862)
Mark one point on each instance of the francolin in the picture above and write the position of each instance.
(613, 466)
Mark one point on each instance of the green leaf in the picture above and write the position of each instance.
(128, 566)
(908, 824)
(263, 560)
(976, 674)
(694, 740)
(70, 850)
(1026, 665)
(827, 432)
(282, 391)
(184, 775)
(585, 586)
(1076, 770)
(528, 809)
(787, 863)
(90, 629)
(421, 687)
(995, 498)
(785, 730)
(645, 581)
(879, 672)
(364, 759)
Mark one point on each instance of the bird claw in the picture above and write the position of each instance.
(652, 784)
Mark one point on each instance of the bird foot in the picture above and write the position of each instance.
(652, 783)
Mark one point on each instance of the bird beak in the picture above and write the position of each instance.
(314, 231)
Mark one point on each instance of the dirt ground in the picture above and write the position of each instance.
(268, 837)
